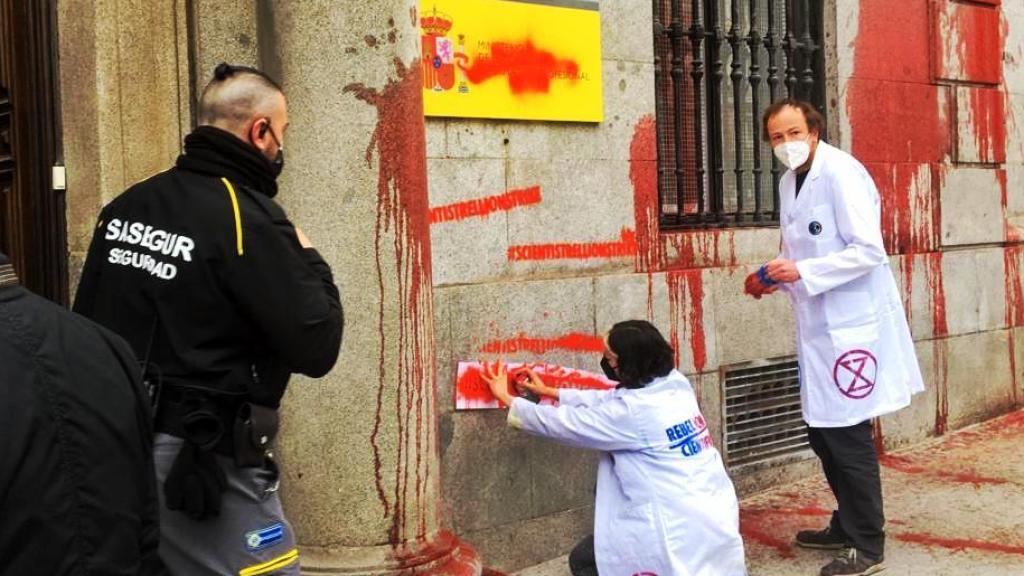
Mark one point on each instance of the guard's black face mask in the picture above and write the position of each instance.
(277, 164)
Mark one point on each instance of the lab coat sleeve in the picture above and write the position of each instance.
(573, 397)
(857, 222)
(606, 426)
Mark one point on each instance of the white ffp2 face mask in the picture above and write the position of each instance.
(793, 154)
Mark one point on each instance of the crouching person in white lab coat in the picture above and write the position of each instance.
(665, 506)
(854, 347)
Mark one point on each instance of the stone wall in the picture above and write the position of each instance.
(936, 127)
(940, 127)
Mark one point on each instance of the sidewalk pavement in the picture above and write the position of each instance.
(954, 507)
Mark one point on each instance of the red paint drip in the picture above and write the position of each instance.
(643, 173)
(699, 248)
(937, 290)
(884, 87)
(529, 70)
(484, 207)
(907, 269)
(686, 296)
(940, 347)
(624, 247)
(444, 555)
(402, 212)
(988, 118)
(980, 43)
(1012, 258)
(576, 342)
(961, 544)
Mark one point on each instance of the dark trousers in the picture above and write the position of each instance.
(581, 560)
(850, 461)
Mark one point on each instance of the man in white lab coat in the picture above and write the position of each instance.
(854, 347)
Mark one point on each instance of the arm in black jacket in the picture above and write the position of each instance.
(289, 293)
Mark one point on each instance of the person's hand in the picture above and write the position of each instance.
(753, 286)
(496, 377)
(303, 240)
(782, 270)
(534, 384)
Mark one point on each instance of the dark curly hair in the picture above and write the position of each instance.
(815, 121)
(643, 354)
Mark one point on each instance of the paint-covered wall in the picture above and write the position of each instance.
(545, 234)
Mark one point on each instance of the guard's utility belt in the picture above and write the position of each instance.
(227, 426)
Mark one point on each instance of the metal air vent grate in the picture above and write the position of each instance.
(762, 413)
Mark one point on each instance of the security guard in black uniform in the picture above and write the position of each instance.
(222, 299)
(77, 489)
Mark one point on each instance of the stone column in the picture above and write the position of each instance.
(124, 102)
(359, 447)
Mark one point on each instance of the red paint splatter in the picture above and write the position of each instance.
(761, 525)
(692, 248)
(755, 529)
(686, 297)
(988, 121)
(961, 544)
(472, 389)
(698, 248)
(900, 159)
(906, 465)
(576, 342)
(937, 290)
(483, 207)
(940, 347)
(444, 555)
(529, 70)
(971, 40)
(643, 173)
(624, 247)
(402, 213)
(1012, 258)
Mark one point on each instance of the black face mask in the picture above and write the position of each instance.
(608, 370)
(277, 164)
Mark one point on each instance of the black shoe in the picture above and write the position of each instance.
(852, 562)
(820, 539)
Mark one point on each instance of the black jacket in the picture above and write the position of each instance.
(77, 488)
(201, 271)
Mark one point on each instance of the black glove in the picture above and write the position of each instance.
(195, 483)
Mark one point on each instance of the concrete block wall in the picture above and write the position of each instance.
(937, 127)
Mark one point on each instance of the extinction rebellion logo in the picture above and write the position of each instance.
(855, 373)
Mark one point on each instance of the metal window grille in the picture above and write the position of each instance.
(762, 416)
(718, 64)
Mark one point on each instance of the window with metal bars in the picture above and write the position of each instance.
(718, 64)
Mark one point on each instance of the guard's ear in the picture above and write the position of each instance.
(263, 128)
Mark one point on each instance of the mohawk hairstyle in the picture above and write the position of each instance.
(235, 94)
